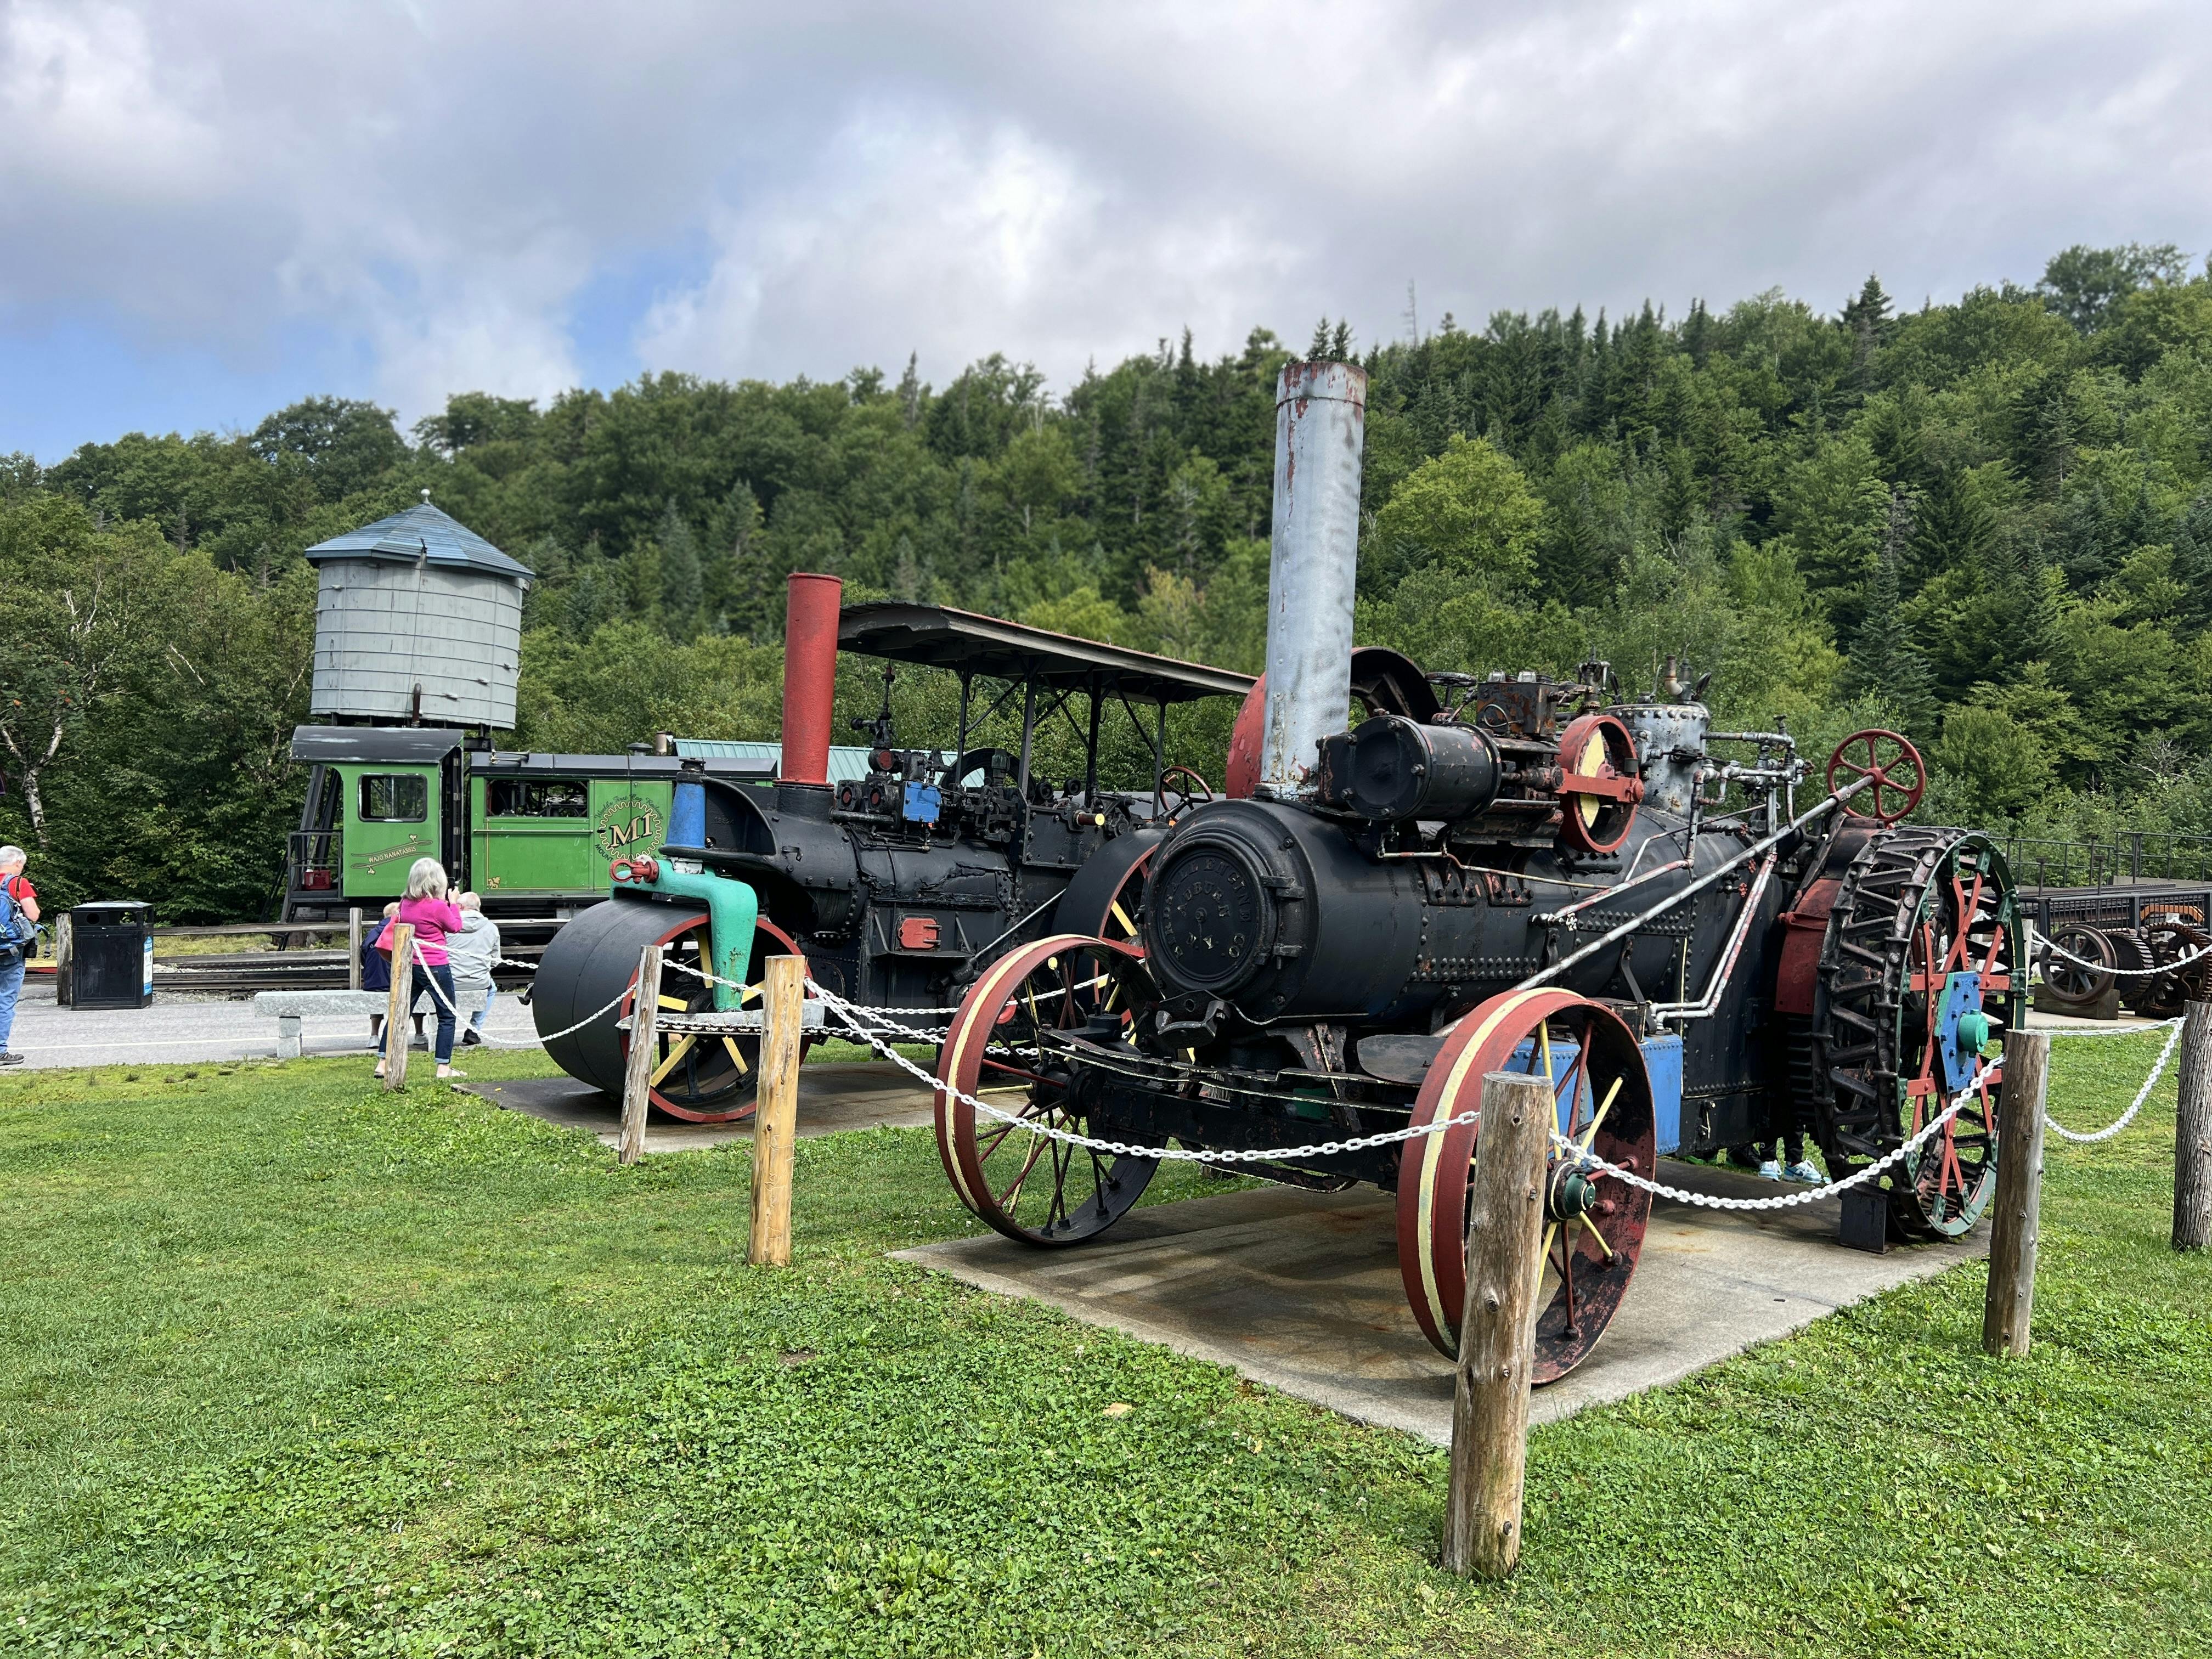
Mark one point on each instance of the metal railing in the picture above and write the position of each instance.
(2130, 856)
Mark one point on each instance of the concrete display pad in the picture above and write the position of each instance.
(869, 1095)
(1300, 1291)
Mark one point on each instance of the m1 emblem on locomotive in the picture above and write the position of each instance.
(1524, 873)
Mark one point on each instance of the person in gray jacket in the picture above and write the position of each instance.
(472, 952)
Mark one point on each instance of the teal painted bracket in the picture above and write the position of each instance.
(733, 908)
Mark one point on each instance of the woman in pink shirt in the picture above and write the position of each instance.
(432, 915)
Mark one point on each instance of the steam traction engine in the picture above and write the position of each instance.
(896, 887)
(1523, 874)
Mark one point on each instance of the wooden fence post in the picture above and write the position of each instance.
(2009, 1312)
(397, 1023)
(64, 961)
(1498, 1328)
(353, 949)
(2192, 1133)
(775, 1117)
(644, 1048)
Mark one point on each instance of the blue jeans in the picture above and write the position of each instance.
(11, 986)
(441, 976)
(477, 1011)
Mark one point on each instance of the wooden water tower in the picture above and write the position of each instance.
(418, 620)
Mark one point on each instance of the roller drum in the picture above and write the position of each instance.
(589, 965)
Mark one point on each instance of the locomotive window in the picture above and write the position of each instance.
(394, 798)
(519, 797)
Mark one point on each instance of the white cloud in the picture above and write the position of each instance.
(440, 190)
(917, 231)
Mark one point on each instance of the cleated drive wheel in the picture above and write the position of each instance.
(1594, 1230)
(697, 1079)
(1919, 971)
(1028, 1188)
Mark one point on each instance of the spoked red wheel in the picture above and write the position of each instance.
(1893, 764)
(713, 1078)
(1029, 1186)
(1594, 1227)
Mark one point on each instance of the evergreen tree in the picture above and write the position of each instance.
(1885, 662)
(1866, 319)
(681, 585)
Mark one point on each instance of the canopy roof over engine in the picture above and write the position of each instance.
(938, 636)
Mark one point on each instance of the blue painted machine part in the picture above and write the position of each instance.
(920, 803)
(1958, 1020)
(733, 908)
(687, 816)
(1662, 1059)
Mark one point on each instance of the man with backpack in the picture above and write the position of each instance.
(19, 909)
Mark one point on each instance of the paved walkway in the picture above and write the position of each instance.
(177, 1028)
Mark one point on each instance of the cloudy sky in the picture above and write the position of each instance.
(209, 208)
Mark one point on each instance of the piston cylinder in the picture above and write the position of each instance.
(1392, 768)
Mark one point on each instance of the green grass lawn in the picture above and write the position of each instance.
(288, 1366)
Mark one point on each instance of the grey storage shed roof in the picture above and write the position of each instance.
(420, 532)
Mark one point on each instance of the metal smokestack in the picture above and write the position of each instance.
(1321, 426)
(809, 676)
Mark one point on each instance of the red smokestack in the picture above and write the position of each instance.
(810, 675)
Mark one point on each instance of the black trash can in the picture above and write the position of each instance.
(112, 955)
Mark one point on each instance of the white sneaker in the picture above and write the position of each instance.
(1770, 1170)
(1803, 1173)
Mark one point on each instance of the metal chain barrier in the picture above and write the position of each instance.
(2143, 1095)
(868, 1024)
(1583, 1159)
(837, 1004)
(2036, 938)
(438, 999)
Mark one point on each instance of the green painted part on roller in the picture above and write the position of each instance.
(1974, 1031)
(733, 908)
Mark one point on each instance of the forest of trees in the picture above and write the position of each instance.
(1988, 524)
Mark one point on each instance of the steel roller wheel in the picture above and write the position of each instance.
(1106, 900)
(1925, 932)
(1027, 1187)
(593, 959)
(1593, 1231)
(2173, 947)
(2069, 983)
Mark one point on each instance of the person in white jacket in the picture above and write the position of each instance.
(472, 952)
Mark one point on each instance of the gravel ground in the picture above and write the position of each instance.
(180, 1027)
